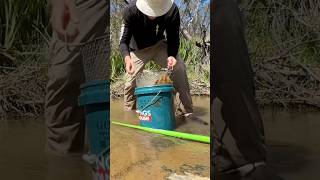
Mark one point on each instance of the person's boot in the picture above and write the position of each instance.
(263, 173)
(254, 171)
(189, 116)
(223, 165)
(193, 117)
(231, 176)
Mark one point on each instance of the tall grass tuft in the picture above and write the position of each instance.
(23, 27)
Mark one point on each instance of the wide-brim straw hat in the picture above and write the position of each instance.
(154, 8)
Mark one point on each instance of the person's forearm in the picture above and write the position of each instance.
(125, 41)
(173, 40)
(173, 34)
(126, 36)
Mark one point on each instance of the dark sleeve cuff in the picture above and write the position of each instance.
(173, 52)
(124, 50)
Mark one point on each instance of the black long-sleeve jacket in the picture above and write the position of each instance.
(140, 32)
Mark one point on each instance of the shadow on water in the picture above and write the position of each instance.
(287, 158)
(23, 155)
(180, 121)
(201, 111)
(292, 138)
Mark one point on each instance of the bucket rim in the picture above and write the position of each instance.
(94, 98)
(94, 83)
(154, 89)
(158, 85)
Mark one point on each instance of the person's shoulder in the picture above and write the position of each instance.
(174, 10)
(174, 6)
(131, 7)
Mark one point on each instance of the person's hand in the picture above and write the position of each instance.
(65, 19)
(129, 65)
(171, 62)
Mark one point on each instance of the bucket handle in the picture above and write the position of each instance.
(150, 103)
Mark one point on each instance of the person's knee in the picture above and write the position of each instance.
(129, 82)
(65, 77)
(129, 89)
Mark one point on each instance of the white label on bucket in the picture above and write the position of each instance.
(145, 116)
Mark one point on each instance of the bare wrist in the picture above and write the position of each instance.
(127, 58)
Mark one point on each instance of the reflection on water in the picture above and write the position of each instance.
(22, 155)
(140, 155)
(293, 139)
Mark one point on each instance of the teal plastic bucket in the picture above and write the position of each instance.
(155, 106)
(95, 98)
